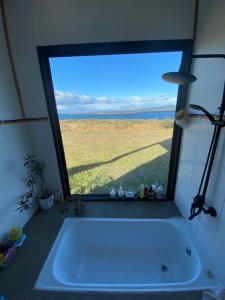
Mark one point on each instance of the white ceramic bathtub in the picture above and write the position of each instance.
(125, 255)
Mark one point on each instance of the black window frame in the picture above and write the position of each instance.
(112, 48)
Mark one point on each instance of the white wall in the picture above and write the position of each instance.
(14, 144)
(206, 91)
(9, 106)
(35, 23)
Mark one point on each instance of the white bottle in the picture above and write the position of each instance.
(159, 191)
(121, 192)
(112, 193)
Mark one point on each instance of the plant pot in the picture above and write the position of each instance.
(46, 203)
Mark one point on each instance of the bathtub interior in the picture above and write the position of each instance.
(125, 253)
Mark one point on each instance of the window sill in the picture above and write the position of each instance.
(106, 197)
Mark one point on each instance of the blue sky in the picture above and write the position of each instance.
(113, 82)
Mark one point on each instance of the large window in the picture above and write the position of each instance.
(116, 119)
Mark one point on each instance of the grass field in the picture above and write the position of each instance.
(101, 154)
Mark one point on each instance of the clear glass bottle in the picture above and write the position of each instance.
(121, 192)
(112, 193)
(159, 191)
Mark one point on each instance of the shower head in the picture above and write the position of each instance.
(179, 77)
(196, 107)
(202, 109)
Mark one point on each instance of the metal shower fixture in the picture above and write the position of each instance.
(179, 77)
(198, 204)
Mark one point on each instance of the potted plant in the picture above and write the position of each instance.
(35, 184)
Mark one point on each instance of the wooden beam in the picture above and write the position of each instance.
(195, 19)
(5, 29)
(25, 120)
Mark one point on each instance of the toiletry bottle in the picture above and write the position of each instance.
(142, 190)
(146, 192)
(151, 193)
(154, 187)
(112, 193)
(121, 192)
(159, 191)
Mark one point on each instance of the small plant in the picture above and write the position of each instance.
(35, 174)
(34, 182)
(25, 202)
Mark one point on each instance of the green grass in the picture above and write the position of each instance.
(101, 154)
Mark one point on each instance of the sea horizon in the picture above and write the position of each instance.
(160, 115)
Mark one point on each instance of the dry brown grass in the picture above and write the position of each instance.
(93, 125)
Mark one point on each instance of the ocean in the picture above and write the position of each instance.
(160, 115)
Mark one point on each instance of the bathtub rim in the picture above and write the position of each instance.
(127, 288)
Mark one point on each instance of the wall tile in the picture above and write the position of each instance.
(207, 91)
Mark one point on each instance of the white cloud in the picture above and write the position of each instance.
(71, 102)
(69, 98)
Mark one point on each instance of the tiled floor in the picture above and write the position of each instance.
(17, 281)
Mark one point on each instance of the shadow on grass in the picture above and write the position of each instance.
(74, 170)
(148, 173)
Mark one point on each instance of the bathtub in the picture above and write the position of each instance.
(126, 255)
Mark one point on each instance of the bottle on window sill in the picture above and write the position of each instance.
(151, 194)
(159, 191)
(112, 193)
(142, 191)
(121, 192)
(146, 192)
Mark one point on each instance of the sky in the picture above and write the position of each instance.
(113, 82)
